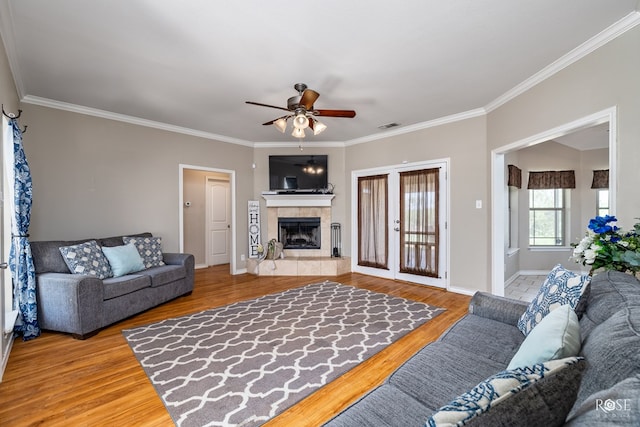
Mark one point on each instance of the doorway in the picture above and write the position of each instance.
(400, 222)
(500, 194)
(218, 221)
(207, 215)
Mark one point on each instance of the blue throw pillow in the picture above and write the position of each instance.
(555, 337)
(86, 258)
(149, 248)
(123, 259)
(559, 288)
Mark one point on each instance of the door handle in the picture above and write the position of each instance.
(4, 265)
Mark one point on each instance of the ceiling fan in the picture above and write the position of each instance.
(301, 109)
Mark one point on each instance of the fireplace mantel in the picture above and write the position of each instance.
(298, 200)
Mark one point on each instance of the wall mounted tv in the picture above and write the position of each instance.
(298, 173)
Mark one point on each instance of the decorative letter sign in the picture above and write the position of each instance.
(254, 228)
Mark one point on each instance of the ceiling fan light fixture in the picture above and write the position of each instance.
(301, 121)
(281, 124)
(298, 132)
(318, 127)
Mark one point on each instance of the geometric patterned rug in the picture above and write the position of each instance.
(245, 363)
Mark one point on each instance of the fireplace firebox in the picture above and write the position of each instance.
(299, 232)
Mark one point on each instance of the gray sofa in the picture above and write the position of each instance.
(483, 342)
(81, 305)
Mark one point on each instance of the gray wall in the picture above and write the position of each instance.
(464, 143)
(605, 78)
(98, 177)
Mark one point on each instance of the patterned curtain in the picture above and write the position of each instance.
(19, 195)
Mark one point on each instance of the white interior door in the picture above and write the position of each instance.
(399, 234)
(218, 218)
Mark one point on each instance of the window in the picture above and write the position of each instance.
(547, 213)
(602, 202)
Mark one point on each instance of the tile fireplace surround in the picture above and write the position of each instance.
(300, 262)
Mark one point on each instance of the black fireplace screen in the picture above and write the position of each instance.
(299, 232)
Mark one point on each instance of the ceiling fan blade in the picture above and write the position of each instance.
(308, 98)
(335, 113)
(266, 105)
(274, 120)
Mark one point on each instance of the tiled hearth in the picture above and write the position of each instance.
(300, 262)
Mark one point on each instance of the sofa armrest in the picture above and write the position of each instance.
(176, 258)
(188, 261)
(70, 302)
(505, 310)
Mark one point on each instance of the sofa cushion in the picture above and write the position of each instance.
(489, 338)
(609, 292)
(556, 337)
(87, 259)
(47, 257)
(118, 240)
(123, 259)
(383, 406)
(613, 352)
(117, 286)
(165, 274)
(495, 397)
(615, 406)
(559, 288)
(150, 249)
(440, 371)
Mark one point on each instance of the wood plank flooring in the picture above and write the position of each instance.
(56, 380)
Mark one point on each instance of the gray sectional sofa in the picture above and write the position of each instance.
(81, 304)
(605, 391)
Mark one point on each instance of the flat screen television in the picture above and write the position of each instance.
(298, 173)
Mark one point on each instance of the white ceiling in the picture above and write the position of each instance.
(191, 65)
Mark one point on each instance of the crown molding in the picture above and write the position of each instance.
(478, 112)
(595, 42)
(74, 108)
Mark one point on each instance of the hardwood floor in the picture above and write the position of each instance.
(55, 380)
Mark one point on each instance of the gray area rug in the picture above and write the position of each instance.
(244, 363)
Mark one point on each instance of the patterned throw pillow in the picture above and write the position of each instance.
(149, 248)
(561, 287)
(86, 258)
(494, 390)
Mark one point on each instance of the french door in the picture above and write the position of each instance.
(401, 227)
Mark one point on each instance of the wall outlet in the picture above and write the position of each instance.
(242, 257)
(478, 204)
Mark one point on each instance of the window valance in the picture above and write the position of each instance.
(551, 180)
(600, 179)
(515, 176)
